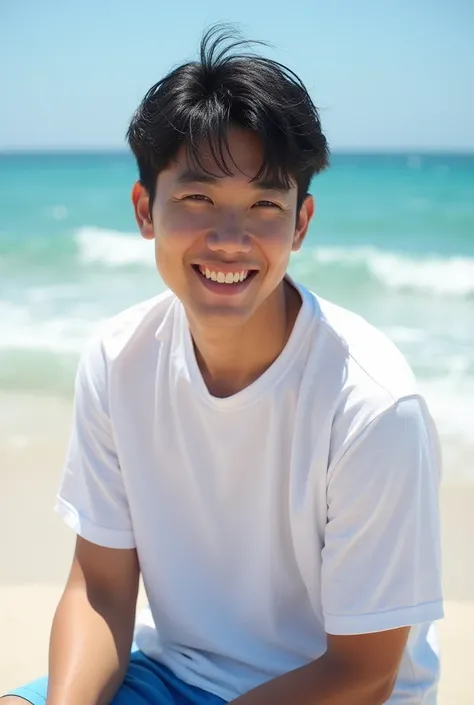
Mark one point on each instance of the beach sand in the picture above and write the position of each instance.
(36, 549)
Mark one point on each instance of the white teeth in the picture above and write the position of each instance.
(222, 277)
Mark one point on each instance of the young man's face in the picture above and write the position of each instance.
(222, 244)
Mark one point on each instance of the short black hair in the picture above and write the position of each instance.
(230, 86)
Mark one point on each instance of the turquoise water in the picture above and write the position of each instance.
(393, 239)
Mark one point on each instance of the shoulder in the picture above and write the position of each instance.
(130, 333)
(357, 372)
(135, 327)
(371, 359)
(347, 348)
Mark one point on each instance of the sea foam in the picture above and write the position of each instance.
(432, 274)
(113, 248)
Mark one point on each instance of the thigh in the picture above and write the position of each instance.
(155, 684)
(143, 685)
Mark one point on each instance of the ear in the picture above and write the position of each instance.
(141, 207)
(302, 222)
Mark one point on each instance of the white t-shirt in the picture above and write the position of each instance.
(303, 505)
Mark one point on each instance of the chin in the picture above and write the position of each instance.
(219, 316)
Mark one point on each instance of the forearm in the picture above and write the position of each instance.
(322, 682)
(89, 648)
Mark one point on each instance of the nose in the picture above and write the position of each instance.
(229, 237)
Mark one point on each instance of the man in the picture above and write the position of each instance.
(259, 455)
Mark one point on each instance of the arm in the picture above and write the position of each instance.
(93, 626)
(355, 670)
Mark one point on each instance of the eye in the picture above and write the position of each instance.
(199, 197)
(266, 204)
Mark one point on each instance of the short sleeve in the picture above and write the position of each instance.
(92, 498)
(381, 562)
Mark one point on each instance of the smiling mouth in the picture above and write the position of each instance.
(220, 277)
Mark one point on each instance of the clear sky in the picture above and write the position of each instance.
(386, 74)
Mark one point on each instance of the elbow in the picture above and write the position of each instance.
(367, 684)
(371, 689)
(380, 691)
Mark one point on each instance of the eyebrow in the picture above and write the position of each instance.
(192, 176)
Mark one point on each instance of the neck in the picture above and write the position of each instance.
(230, 359)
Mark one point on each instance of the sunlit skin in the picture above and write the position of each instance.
(228, 224)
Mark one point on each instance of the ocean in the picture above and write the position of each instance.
(392, 239)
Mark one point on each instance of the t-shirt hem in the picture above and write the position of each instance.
(340, 625)
(108, 538)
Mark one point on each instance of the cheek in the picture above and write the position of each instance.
(176, 232)
(178, 222)
(275, 236)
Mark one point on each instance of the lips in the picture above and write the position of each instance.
(224, 278)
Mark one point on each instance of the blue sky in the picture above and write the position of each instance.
(386, 74)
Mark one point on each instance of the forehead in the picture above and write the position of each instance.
(241, 154)
(240, 158)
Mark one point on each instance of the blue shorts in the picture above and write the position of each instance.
(147, 683)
